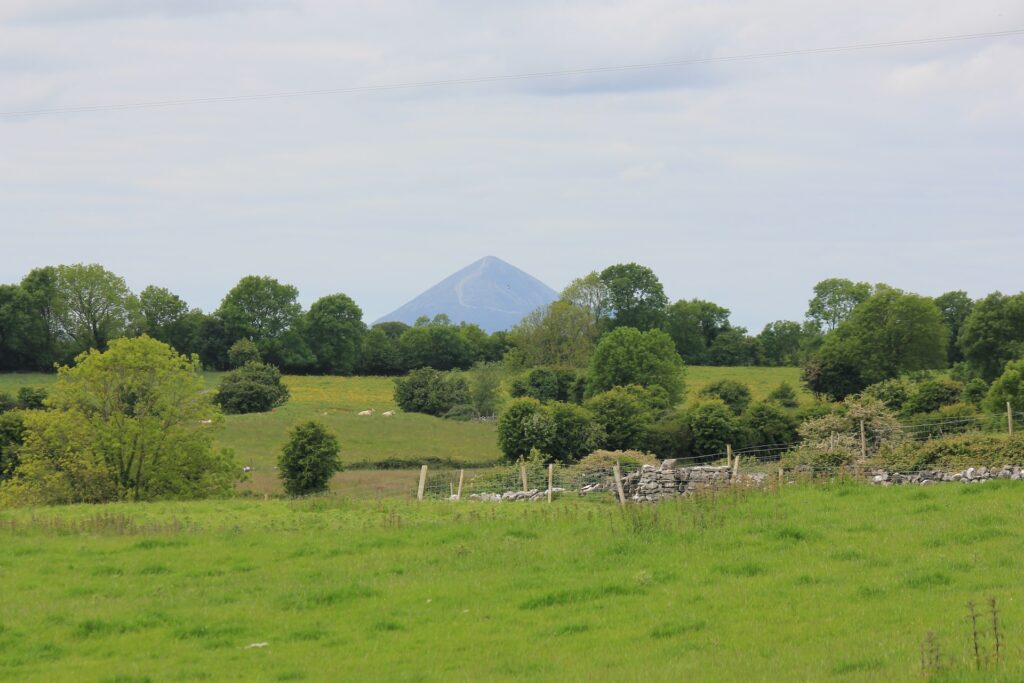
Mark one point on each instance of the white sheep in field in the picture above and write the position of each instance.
(388, 413)
(366, 413)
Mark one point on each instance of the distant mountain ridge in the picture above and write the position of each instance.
(490, 293)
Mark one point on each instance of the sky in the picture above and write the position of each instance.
(743, 182)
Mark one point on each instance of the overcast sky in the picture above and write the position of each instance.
(743, 182)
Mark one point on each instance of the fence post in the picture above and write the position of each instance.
(863, 442)
(462, 473)
(782, 479)
(423, 482)
(1009, 417)
(728, 455)
(735, 468)
(522, 472)
(618, 484)
(551, 479)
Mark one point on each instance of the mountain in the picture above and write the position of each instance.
(490, 292)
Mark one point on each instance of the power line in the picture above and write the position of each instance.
(511, 77)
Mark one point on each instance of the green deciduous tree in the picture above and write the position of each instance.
(624, 416)
(993, 333)
(309, 459)
(267, 312)
(955, 307)
(734, 394)
(523, 426)
(437, 345)
(1008, 387)
(636, 297)
(431, 391)
(782, 343)
(243, 352)
(334, 331)
(834, 301)
(766, 422)
(95, 305)
(712, 425)
(380, 354)
(693, 326)
(123, 424)
(559, 334)
(628, 356)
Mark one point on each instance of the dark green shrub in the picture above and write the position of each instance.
(252, 388)
(768, 423)
(12, 432)
(309, 459)
(785, 396)
(550, 384)
(575, 432)
(932, 394)
(975, 391)
(625, 418)
(7, 402)
(431, 392)
(31, 398)
(523, 426)
(894, 393)
(1008, 387)
(712, 426)
(734, 394)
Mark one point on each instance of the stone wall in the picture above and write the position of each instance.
(971, 475)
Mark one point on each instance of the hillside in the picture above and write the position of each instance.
(490, 293)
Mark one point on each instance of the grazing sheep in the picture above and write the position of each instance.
(366, 413)
(206, 422)
(388, 413)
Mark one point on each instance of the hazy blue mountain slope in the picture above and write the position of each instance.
(490, 292)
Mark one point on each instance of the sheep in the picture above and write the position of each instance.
(366, 413)
(388, 413)
(206, 422)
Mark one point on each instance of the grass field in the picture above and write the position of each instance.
(816, 583)
(257, 439)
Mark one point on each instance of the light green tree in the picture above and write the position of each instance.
(627, 356)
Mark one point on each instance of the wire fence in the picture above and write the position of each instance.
(535, 480)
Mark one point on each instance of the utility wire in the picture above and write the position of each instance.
(511, 77)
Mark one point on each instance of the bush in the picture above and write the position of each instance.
(252, 388)
(932, 394)
(624, 417)
(485, 389)
(734, 394)
(600, 460)
(1009, 387)
(785, 396)
(712, 425)
(834, 439)
(975, 391)
(955, 453)
(575, 432)
(550, 384)
(958, 418)
(7, 402)
(243, 352)
(894, 393)
(524, 425)
(768, 423)
(31, 398)
(627, 356)
(12, 434)
(309, 459)
(431, 392)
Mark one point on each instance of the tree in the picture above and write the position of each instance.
(15, 329)
(993, 334)
(559, 334)
(243, 352)
(252, 388)
(431, 392)
(889, 334)
(628, 356)
(434, 345)
(734, 347)
(523, 426)
(712, 425)
(693, 326)
(95, 305)
(784, 395)
(635, 296)
(46, 309)
(265, 311)
(334, 331)
(12, 435)
(380, 353)
(834, 301)
(485, 388)
(1008, 387)
(781, 343)
(955, 307)
(734, 394)
(309, 459)
(124, 423)
(767, 423)
(590, 294)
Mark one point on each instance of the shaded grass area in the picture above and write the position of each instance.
(840, 582)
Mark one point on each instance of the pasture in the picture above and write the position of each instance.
(257, 438)
(837, 582)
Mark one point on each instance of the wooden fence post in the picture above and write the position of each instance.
(423, 483)
(462, 473)
(728, 455)
(735, 467)
(863, 442)
(522, 471)
(1009, 417)
(551, 479)
(618, 484)
(782, 479)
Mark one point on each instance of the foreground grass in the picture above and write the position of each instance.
(841, 582)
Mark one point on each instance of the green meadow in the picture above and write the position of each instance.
(257, 439)
(816, 582)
